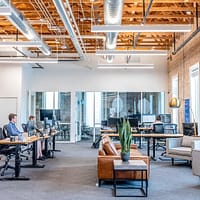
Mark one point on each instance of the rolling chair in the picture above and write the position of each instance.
(159, 128)
(7, 151)
(29, 147)
(6, 134)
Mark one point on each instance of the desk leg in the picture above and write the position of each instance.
(34, 158)
(140, 143)
(54, 144)
(148, 146)
(154, 149)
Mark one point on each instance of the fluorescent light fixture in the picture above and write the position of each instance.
(125, 66)
(141, 28)
(131, 52)
(5, 11)
(21, 44)
(27, 60)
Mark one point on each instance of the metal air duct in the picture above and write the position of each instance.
(18, 20)
(112, 16)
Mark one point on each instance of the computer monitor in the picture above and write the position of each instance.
(188, 128)
(49, 113)
(165, 118)
(148, 118)
(133, 122)
(112, 121)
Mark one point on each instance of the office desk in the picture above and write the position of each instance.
(148, 136)
(18, 144)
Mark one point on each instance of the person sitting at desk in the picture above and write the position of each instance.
(157, 121)
(11, 127)
(31, 127)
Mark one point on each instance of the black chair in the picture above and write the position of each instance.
(7, 151)
(170, 128)
(24, 127)
(6, 135)
(159, 128)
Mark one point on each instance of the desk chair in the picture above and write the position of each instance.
(7, 151)
(6, 135)
(158, 128)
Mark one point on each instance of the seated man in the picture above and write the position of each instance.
(11, 127)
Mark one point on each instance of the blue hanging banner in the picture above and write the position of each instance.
(187, 110)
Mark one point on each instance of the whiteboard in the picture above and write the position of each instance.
(7, 105)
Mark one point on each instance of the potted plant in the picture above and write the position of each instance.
(125, 137)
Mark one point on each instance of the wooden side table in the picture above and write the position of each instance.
(132, 165)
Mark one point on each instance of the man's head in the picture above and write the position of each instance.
(12, 117)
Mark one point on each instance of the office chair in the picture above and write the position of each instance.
(6, 135)
(24, 127)
(158, 128)
(7, 151)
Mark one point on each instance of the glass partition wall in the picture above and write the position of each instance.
(55, 106)
(102, 108)
(92, 110)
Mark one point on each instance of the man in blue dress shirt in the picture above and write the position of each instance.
(11, 127)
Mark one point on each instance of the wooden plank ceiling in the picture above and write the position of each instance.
(44, 18)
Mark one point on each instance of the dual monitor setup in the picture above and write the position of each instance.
(136, 120)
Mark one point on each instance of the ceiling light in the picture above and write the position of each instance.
(5, 11)
(27, 60)
(125, 66)
(141, 28)
(131, 52)
(21, 44)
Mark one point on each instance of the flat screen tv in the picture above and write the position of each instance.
(49, 114)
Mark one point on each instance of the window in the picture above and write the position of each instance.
(194, 92)
(175, 94)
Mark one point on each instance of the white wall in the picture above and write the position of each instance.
(16, 80)
(11, 84)
(76, 76)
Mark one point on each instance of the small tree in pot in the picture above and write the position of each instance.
(125, 137)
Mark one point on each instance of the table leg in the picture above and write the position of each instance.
(54, 144)
(154, 149)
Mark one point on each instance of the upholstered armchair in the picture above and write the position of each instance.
(182, 148)
(196, 162)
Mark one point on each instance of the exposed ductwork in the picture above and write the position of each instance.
(18, 20)
(112, 16)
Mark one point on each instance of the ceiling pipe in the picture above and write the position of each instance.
(67, 23)
(112, 16)
(186, 41)
(18, 20)
(145, 14)
(191, 36)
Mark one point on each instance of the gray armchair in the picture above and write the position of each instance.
(182, 148)
(196, 162)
